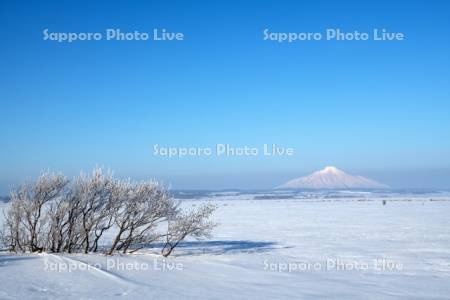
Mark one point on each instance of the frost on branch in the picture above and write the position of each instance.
(195, 223)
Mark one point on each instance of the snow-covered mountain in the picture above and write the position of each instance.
(331, 178)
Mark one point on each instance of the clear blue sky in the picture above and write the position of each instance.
(380, 109)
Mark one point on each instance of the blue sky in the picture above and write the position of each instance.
(380, 109)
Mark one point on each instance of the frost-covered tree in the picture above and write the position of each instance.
(57, 226)
(13, 232)
(29, 206)
(195, 223)
(97, 198)
(54, 215)
(144, 206)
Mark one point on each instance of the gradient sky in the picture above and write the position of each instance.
(380, 109)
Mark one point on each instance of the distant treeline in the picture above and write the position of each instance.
(4, 199)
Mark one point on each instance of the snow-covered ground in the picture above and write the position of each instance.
(266, 249)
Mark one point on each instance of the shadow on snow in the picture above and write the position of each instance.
(220, 247)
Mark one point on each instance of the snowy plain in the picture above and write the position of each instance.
(274, 245)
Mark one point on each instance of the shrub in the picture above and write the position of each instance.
(55, 215)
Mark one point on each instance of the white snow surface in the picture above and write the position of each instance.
(332, 178)
(255, 242)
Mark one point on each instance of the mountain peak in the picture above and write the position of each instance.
(332, 178)
(330, 169)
